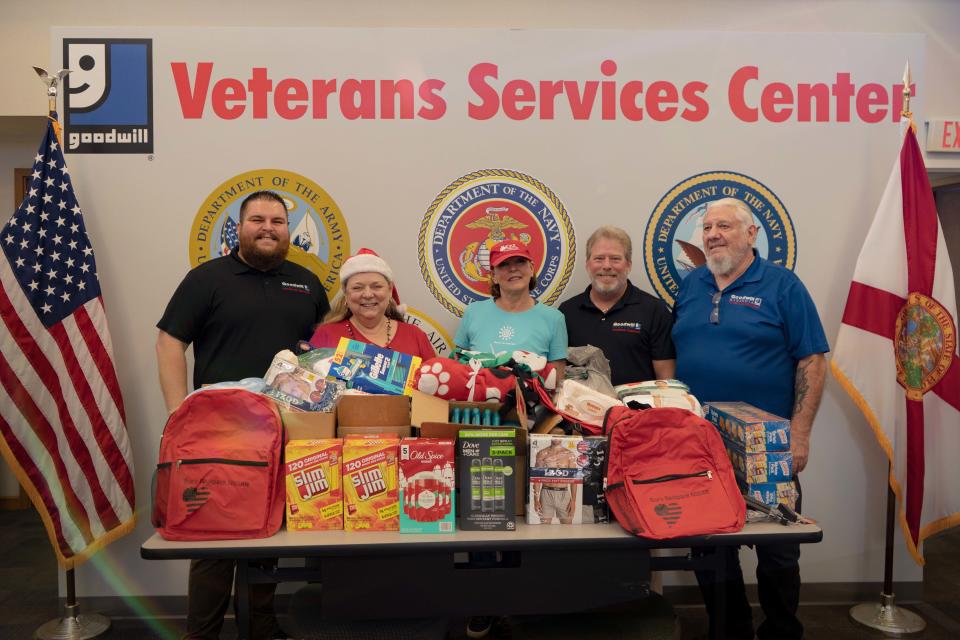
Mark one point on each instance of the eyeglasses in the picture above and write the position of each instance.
(715, 311)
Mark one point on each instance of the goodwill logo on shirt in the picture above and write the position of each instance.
(753, 302)
(627, 327)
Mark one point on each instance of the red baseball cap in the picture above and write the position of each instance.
(508, 249)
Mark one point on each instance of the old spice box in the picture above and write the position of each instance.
(370, 499)
(314, 490)
(427, 486)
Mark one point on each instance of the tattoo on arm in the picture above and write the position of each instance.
(801, 387)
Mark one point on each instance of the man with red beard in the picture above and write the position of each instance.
(746, 329)
(237, 311)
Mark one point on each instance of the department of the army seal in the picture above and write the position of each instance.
(673, 242)
(319, 239)
(483, 208)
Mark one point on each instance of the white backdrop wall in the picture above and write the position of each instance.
(828, 175)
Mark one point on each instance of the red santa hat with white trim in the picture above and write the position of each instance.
(367, 261)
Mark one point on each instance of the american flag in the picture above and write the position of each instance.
(61, 414)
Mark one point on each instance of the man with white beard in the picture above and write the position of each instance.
(630, 326)
(747, 330)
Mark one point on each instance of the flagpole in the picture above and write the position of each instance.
(886, 616)
(73, 625)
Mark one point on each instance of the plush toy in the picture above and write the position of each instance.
(452, 380)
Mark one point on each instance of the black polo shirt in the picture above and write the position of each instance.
(238, 317)
(632, 333)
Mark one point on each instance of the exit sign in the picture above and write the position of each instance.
(944, 135)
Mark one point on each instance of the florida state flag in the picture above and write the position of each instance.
(896, 353)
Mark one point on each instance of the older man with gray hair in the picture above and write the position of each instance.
(746, 329)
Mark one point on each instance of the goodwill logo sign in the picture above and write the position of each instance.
(673, 242)
(108, 97)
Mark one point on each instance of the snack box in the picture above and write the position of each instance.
(770, 493)
(314, 489)
(748, 428)
(374, 369)
(556, 479)
(370, 499)
(486, 463)
(427, 486)
(763, 466)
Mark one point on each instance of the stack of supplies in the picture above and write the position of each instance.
(660, 393)
(758, 443)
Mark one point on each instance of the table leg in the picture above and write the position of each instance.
(720, 592)
(242, 597)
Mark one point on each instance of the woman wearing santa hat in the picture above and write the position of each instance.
(368, 309)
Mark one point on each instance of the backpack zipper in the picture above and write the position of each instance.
(241, 463)
(676, 476)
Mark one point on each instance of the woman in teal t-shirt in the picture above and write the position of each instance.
(512, 319)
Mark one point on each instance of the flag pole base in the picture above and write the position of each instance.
(73, 626)
(887, 617)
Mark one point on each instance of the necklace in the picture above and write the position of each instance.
(353, 336)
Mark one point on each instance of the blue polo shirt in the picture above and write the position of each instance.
(767, 323)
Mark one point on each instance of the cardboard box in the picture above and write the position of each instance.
(314, 484)
(308, 425)
(427, 486)
(373, 414)
(370, 500)
(432, 416)
(595, 507)
(487, 459)
(556, 479)
(748, 428)
(374, 369)
(770, 493)
(763, 466)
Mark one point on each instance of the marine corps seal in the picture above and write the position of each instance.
(480, 209)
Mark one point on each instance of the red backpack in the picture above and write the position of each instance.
(668, 475)
(220, 474)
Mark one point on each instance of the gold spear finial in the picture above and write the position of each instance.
(52, 83)
(905, 112)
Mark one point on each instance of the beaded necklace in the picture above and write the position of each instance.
(354, 337)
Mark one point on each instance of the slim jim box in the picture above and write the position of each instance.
(314, 492)
(370, 500)
(427, 488)
(487, 459)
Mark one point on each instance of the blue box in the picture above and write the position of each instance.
(748, 428)
(774, 466)
(374, 369)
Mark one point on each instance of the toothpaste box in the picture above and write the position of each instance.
(314, 490)
(762, 467)
(556, 479)
(595, 507)
(749, 428)
(770, 493)
(486, 462)
(370, 499)
(374, 369)
(427, 487)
